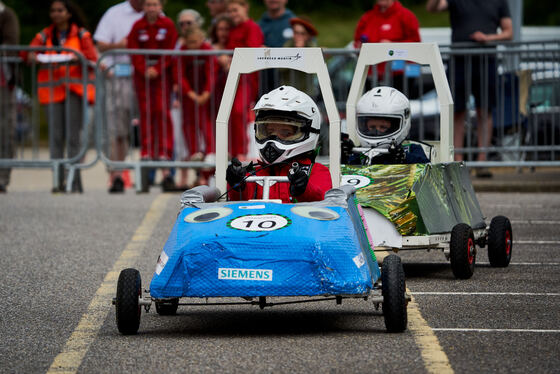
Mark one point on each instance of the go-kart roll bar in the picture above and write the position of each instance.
(266, 180)
(250, 60)
(420, 53)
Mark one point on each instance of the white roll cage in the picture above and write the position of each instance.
(249, 60)
(420, 53)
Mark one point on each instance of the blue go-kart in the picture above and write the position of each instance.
(263, 249)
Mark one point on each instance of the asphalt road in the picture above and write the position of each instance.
(57, 252)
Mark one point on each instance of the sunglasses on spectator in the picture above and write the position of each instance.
(185, 23)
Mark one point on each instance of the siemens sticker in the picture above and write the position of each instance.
(259, 222)
(245, 274)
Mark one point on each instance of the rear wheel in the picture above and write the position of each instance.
(393, 290)
(129, 289)
(167, 307)
(500, 242)
(462, 251)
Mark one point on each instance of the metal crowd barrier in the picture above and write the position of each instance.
(27, 125)
(170, 99)
(526, 119)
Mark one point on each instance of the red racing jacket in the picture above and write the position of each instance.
(397, 24)
(158, 35)
(319, 183)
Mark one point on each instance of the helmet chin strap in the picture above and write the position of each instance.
(271, 152)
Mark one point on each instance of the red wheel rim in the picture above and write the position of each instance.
(470, 250)
(508, 242)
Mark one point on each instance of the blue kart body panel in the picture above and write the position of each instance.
(252, 249)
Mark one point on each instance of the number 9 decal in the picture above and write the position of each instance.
(259, 222)
(357, 181)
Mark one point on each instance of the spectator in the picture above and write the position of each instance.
(276, 27)
(304, 36)
(152, 81)
(188, 19)
(216, 8)
(286, 136)
(304, 33)
(67, 30)
(275, 23)
(219, 36)
(197, 74)
(387, 22)
(111, 33)
(9, 35)
(475, 22)
(245, 33)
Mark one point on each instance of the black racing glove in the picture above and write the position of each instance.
(346, 146)
(397, 153)
(298, 180)
(235, 175)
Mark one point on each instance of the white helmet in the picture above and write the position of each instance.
(287, 124)
(383, 117)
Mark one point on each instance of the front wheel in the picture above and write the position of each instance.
(462, 251)
(393, 288)
(129, 289)
(500, 242)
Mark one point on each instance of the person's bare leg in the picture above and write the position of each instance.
(458, 133)
(484, 134)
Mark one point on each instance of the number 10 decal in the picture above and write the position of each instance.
(259, 222)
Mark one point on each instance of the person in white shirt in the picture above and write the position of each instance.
(111, 33)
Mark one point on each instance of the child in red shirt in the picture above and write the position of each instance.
(198, 77)
(287, 130)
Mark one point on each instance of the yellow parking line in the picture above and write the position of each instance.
(435, 359)
(76, 347)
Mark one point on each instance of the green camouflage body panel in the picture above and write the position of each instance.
(420, 199)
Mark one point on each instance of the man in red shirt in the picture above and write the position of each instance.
(387, 22)
(245, 33)
(152, 80)
(287, 129)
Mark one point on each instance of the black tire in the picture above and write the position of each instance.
(167, 307)
(500, 242)
(462, 251)
(129, 289)
(393, 289)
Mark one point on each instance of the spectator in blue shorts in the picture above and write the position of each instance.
(478, 21)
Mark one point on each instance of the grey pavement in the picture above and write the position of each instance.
(57, 249)
(541, 179)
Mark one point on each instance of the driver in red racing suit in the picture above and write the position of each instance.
(286, 134)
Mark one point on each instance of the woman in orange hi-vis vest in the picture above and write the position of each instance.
(60, 87)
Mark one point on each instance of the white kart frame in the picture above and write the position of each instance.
(250, 60)
(443, 151)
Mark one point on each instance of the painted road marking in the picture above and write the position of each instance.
(76, 347)
(496, 330)
(420, 293)
(435, 359)
(522, 263)
(536, 242)
(535, 222)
